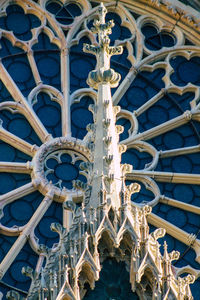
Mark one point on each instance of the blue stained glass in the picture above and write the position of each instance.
(145, 86)
(48, 65)
(19, 22)
(62, 173)
(168, 107)
(42, 231)
(81, 117)
(47, 59)
(118, 32)
(8, 49)
(10, 181)
(14, 276)
(155, 40)
(184, 220)
(185, 71)
(9, 153)
(188, 193)
(19, 126)
(120, 64)
(189, 163)
(64, 14)
(139, 160)
(113, 283)
(43, 43)
(183, 136)
(19, 217)
(49, 112)
(80, 65)
(19, 69)
(6, 243)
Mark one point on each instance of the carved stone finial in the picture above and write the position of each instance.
(165, 256)
(103, 52)
(102, 13)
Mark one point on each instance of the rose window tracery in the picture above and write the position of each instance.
(46, 106)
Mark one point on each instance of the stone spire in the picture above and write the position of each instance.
(107, 152)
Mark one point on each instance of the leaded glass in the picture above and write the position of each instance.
(46, 106)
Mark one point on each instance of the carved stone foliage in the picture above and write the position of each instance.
(77, 260)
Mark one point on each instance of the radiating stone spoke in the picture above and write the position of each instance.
(18, 97)
(65, 75)
(182, 205)
(33, 66)
(168, 176)
(24, 235)
(179, 234)
(149, 103)
(162, 128)
(16, 142)
(17, 194)
(123, 87)
(15, 167)
(179, 151)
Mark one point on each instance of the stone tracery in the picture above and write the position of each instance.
(149, 176)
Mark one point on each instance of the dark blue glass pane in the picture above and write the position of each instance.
(11, 181)
(118, 32)
(9, 153)
(80, 65)
(189, 163)
(7, 49)
(47, 59)
(64, 14)
(145, 86)
(155, 40)
(185, 220)
(20, 211)
(113, 283)
(185, 71)
(188, 193)
(168, 107)
(19, 23)
(49, 112)
(43, 43)
(120, 64)
(19, 69)
(183, 136)
(139, 160)
(14, 276)
(48, 64)
(19, 126)
(43, 232)
(81, 117)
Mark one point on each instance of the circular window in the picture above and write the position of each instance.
(46, 106)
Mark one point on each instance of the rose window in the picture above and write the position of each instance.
(46, 106)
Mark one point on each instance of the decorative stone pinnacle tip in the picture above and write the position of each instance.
(165, 246)
(102, 12)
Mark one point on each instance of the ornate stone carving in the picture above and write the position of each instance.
(106, 206)
(107, 224)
